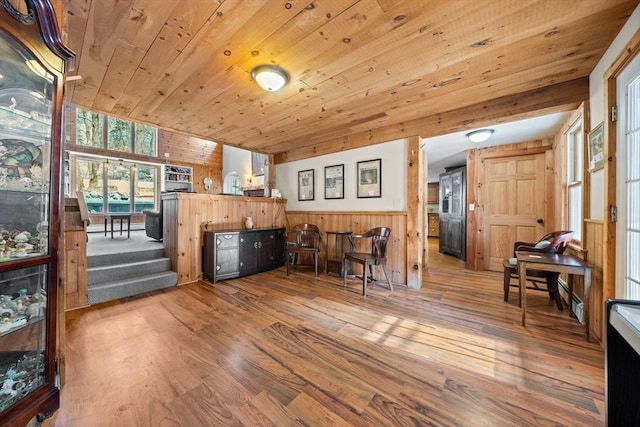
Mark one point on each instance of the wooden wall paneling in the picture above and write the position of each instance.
(473, 253)
(188, 215)
(594, 246)
(556, 98)
(416, 228)
(359, 222)
(185, 149)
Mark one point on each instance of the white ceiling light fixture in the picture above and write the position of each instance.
(480, 135)
(270, 77)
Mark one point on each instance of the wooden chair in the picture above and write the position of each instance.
(555, 242)
(377, 256)
(303, 239)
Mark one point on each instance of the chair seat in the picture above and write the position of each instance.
(361, 256)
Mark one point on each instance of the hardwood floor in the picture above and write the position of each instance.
(275, 350)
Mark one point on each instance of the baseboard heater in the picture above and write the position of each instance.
(577, 302)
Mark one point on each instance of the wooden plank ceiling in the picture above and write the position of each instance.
(362, 71)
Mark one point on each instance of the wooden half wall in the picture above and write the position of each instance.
(359, 222)
(186, 216)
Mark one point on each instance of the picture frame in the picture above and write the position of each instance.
(369, 175)
(334, 182)
(306, 185)
(596, 148)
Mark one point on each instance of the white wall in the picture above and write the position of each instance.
(393, 178)
(239, 161)
(597, 104)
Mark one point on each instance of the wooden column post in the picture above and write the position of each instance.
(415, 211)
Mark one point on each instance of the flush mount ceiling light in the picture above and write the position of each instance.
(270, 77)
(480, 135)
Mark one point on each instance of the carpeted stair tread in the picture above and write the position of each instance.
(124, 257)
(128, 287)
(110, 273)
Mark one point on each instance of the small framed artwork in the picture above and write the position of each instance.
(306, 185)
(596, 148)
(334, 182)
(370, 178)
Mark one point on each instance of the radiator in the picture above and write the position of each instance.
(563, 288)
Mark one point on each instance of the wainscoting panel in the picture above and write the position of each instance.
(359, 222)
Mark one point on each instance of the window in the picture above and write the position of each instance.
(231, 184)
(575, 171)
(114, 134)
(126, 186)
(89, 174)
(89, 128)
(119, 135)
(258, 163)
(145, 140)
(119, 187)
(145, 189)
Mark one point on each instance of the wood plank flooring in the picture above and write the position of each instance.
(271, 350)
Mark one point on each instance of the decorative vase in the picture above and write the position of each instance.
(248, 223)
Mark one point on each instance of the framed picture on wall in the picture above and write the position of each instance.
(369, 178)
(596, 148)
(334, 182)
(306, 185)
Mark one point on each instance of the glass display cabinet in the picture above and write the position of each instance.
(32, 63)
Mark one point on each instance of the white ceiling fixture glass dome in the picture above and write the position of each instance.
(480, 135)
(270, 77)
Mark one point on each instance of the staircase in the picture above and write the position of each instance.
(119, 275)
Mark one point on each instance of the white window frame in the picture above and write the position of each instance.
(575, 178)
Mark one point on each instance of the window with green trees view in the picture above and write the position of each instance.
(117, 135)
(111, 184)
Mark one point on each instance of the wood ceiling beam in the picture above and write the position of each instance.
(547, 100)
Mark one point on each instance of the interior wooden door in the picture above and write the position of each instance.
(515, 205)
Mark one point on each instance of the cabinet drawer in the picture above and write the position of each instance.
(227, 240)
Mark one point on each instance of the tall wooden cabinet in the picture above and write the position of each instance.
(453, 213)
(32, 64)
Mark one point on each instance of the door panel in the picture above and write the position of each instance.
(515, 201)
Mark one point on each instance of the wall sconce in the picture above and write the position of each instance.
(249, 179)
(480, 135)
(270, 77)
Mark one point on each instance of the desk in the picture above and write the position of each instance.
(560, 264)
(121, 217)
(337, 256)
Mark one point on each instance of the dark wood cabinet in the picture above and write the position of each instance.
(221, 255)
(32, 65)
(453, 221)
(235, 253)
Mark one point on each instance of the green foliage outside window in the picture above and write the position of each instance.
(89, 128)
(122, 135)
(119, 135)
(145, 141)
